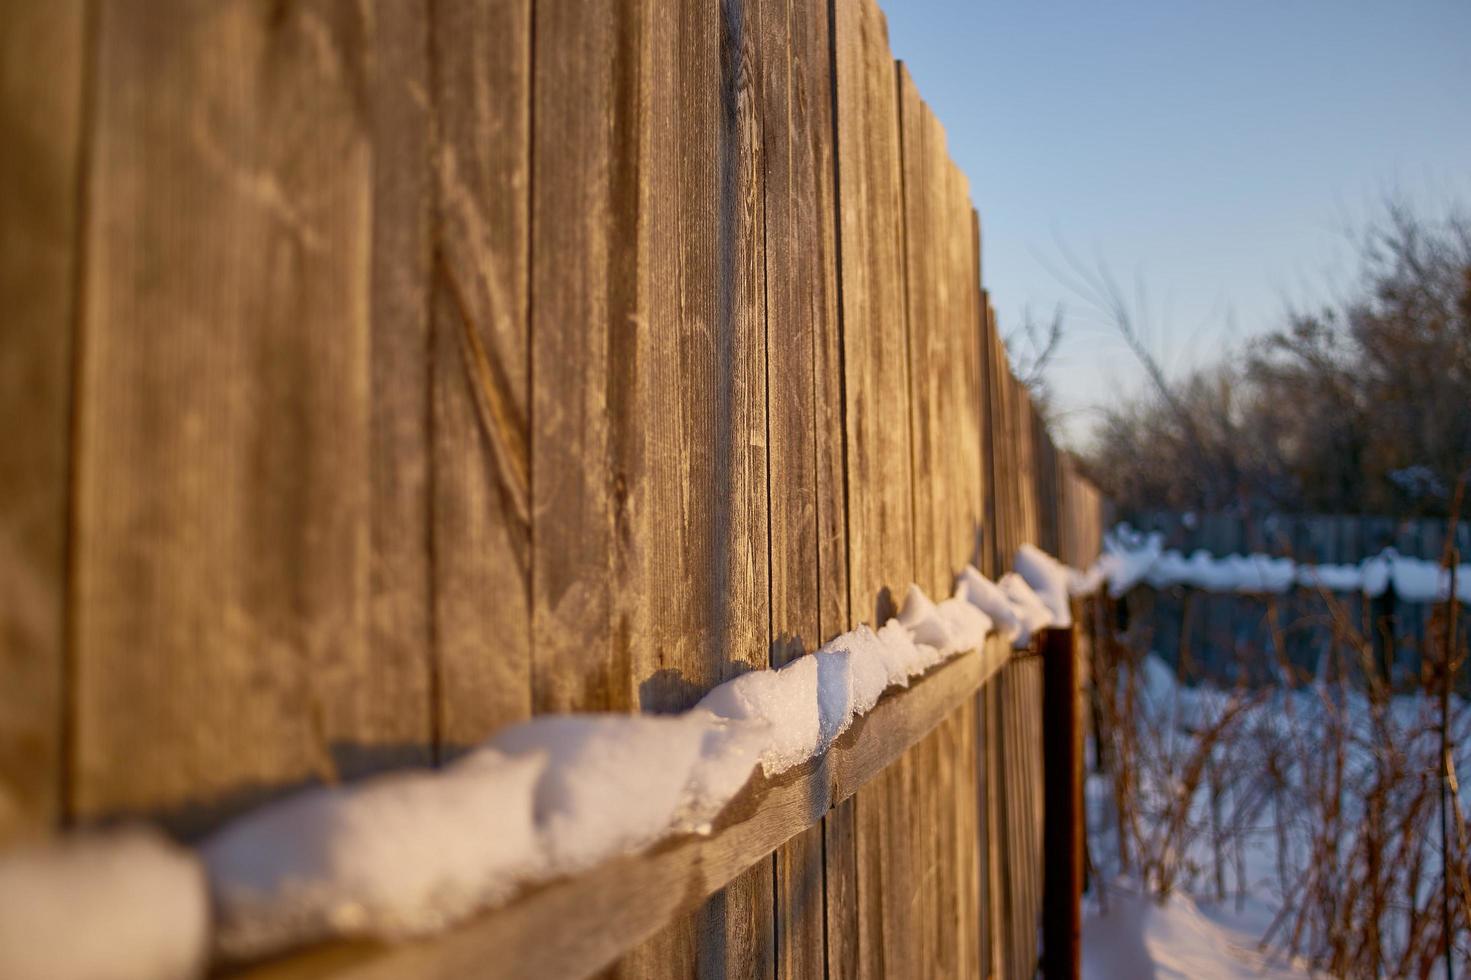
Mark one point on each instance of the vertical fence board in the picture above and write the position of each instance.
(223, 461)
(879, 506)
(482, 521)
(914, 942)
(591, 354)
(875, 359)
(707, 549)
(977, 362)
(401, 597)
(959, 855)
(944, 425)
(805, 475)
(42, 74)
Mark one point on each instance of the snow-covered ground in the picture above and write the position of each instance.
(1130, 935)
(1232, 871)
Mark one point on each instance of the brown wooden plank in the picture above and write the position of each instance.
(706, 551)
(223, 462)
(42, 76)
(940, 272)
(998, 905)
(840, 885)
(1026, 443)
(990, 434)
(978, 366)
(481, 507)
(964, 851)
(880, 516)
(1004, 476)
(571, 927)
(1030, 752)
(589, 342)
(969, 794)
(874, 338)
(945, 437)
(400, 599)
(804, 442)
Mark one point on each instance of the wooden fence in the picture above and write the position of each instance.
(1221, 635)
(379, 374)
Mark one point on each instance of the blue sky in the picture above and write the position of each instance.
(1218, 153)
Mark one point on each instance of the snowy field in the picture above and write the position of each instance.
(1129, 935)
(1248, 812)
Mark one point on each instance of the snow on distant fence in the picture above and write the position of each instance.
(389, 381)
(1325, 579)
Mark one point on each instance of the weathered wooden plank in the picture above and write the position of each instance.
(966, 511)
(1025, 419)
(874, 334)
(998, 905)
(988, 866)
(840, 885)
(481, 507)
(990, 448)
(706, 569)
(972, 468)
(706, 420)
(223, 455)
(880, 515)
(804, 444)
(572, 927)
(944, 422)
(1029, 750)
(1004, 476)
(928, 307)
(42, 75)
(1013, 844)
(590, 347)
(400, 599)
(964, 847)
(912, 879)
(940, 271)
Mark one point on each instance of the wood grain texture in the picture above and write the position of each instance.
(223, 461)
(990, 441)
(42, 79)
(934, 368)
(875, 348)
(1024, 420)
(944, 426)
(1003, 471)
(1019, 703)
(571, 927)
(998, 896)
(481, 365)
(590, 342)
(400, 587)
(880, 515)
(705, 574)
(808, 578)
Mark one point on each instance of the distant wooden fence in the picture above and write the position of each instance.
(1220, 633)
(376, 375)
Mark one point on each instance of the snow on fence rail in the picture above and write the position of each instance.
(433, 374)
(1229, 614)
(553, 799)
